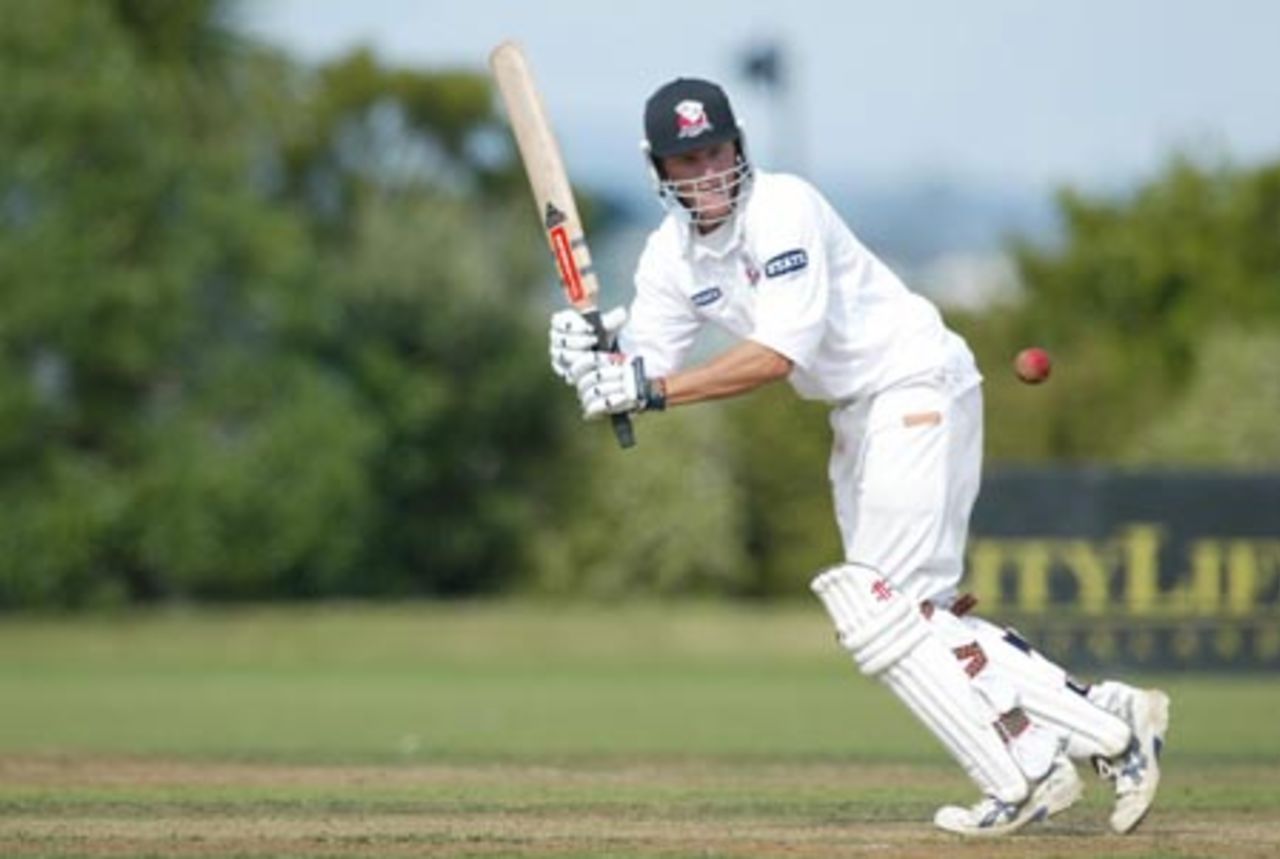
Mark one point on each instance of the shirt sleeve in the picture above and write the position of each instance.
(662, 324)
(794, 289)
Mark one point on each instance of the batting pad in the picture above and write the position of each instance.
(1039, 686)
(889, 639)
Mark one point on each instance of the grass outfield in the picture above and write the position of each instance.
(494, 730)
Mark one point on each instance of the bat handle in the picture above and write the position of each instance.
(622, 429)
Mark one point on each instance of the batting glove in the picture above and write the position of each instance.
(616, 384)
(573, 341)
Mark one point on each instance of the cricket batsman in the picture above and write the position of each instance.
(766, 258)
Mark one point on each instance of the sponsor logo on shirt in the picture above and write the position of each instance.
(707, 296)
(785, 262)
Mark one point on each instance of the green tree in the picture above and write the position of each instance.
(129, 234)
(1128, 303)
(780, 448)
(1227, 415)
(431, 258)
(438, 341)
(664, 518)
(218, 378)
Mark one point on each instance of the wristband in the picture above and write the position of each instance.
(652, 393)
(655, 395)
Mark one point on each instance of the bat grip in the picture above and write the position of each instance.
(622, 429)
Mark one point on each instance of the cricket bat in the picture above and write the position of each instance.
(553, 196)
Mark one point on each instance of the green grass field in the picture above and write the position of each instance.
(532, 730)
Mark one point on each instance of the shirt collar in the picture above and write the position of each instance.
(717, 244)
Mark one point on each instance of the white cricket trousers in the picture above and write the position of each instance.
(905, 470)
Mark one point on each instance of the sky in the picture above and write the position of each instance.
(1024, 93)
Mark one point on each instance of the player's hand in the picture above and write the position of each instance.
(614, 384)
(572, 339)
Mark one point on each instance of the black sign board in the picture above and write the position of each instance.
(1150, 569)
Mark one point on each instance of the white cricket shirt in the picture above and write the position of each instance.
(788, 273)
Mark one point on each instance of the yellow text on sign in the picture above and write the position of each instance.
(1228, 576)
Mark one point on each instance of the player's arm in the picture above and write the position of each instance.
(616, 383)
(739, 369)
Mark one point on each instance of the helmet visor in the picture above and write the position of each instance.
(710, 199)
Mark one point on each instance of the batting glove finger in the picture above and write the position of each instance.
(598, 402)
(568, 321)
(571, 364)
(613, 320)
(582, 363)
(604, 378)
(571, 325)
(562, 361)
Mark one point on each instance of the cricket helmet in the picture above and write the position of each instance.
(684, 115)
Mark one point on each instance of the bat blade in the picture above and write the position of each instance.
(552, 194)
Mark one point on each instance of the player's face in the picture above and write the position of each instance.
(705, 178)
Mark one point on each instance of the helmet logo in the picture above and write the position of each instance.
(691, 119)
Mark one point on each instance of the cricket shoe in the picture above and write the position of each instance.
(1057, 791)
(1136, 771)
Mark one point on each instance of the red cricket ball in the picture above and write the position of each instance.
(1032, 365)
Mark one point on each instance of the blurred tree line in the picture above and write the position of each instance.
(273, 331)
(265, 329)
